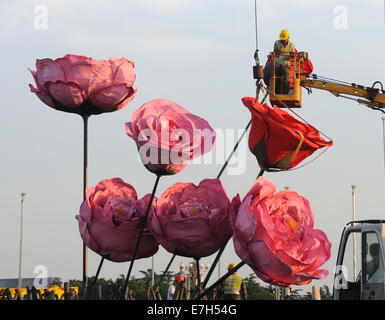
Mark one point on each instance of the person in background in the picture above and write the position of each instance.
(234, 286)
(374, 268)
(171, 290)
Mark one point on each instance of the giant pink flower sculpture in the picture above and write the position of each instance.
(110, 220)
(83, 85)
(274, 235)
(168, 136)
(193, 221)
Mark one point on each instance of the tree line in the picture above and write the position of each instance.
(138, 287)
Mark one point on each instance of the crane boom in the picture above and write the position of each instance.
(372, 97)
(285, 87)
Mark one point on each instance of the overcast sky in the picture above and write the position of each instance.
(200, 55)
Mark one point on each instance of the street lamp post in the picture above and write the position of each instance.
(21, 238)
(354, 235)
(383, 119)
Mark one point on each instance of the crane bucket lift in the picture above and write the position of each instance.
(285, 90)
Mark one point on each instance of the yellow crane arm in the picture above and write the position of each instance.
(372, 97)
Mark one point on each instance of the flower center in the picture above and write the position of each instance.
(120, 211)
(193, 210)
(293, 225)
(123, 209)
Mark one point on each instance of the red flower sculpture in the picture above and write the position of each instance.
(278, 140)
(83, 85)
(274, 235)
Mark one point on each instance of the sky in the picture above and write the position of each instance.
(200, 55)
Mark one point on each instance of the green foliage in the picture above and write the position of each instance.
(257, 292)
(138, 286)
(57, 282)
(325, 293)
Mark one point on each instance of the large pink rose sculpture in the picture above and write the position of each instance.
(84, 85)
(193, 221)
(274, 235)
(168, 136)
(110, 220)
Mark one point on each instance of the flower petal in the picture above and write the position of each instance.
(43, 96)
(246, 222)
(48, 70)
(110, 96)
(89, 74)
(67, 94)
(123, 70)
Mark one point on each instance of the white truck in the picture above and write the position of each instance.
(359, 272)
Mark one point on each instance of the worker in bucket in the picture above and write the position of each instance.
(282, 48)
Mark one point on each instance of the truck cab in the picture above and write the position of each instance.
(359, 271)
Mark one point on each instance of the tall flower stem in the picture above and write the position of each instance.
(237, 144)
(98, 271)
(89, 294)
(229, 273)
(85, 181)
(198, 284)
(165, 271)
(218, 177)
(216, 260)
(220, 252)
(141, 233)
(261, 172)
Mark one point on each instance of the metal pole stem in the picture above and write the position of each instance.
(198, 287)
(98, 271)
(85, 181)
(165, 271)
(383, 119)
(218, 177)
(237, 144)
(21, 239)
(216, 261)
(354, 235)
(217, 258)
(229, 273)
(141, 232)
(198, 272)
